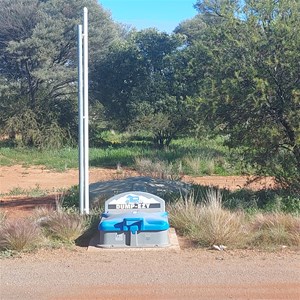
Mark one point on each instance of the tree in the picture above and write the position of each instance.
(192, 29)
(137, 82)
(38, 65)
(251, 87)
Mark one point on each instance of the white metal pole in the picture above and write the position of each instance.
(86, 108)
(80, 121)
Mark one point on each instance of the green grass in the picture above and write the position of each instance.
(197, 157)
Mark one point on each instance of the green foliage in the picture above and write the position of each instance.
(71, 197)
(60, 159)
(136, 84)
(181, 152)
(158, 124)
(38, 73)
(247, 59)
(231, 70)
(70, 200)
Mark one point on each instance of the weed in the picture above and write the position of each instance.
(16, 191)
(193, 164)
(7, 254)
(210, 167)
(36, 192)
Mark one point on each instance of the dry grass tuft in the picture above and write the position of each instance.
(19, 235)
(184, 214)
(201, 164)
(208, 224)
(3, 218)
(63, 225)
(158, 169)
(41, 213)
(275, 229)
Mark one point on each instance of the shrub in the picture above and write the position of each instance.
(19, 235)
(208, 223)
(200, 165)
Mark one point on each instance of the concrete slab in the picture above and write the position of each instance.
(175, 247)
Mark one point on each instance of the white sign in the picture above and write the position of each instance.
(133, 201)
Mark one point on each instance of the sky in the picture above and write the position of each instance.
(164, 15)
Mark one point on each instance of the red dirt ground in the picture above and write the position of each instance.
(13, 178)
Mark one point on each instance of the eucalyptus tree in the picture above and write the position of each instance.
(38, 65)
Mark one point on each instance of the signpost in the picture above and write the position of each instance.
(83, 114)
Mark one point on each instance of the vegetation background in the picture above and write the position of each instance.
(220, 95)
(230, 74)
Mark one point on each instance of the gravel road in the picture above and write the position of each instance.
(187, 274)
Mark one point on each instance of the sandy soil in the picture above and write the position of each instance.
(187, 274)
